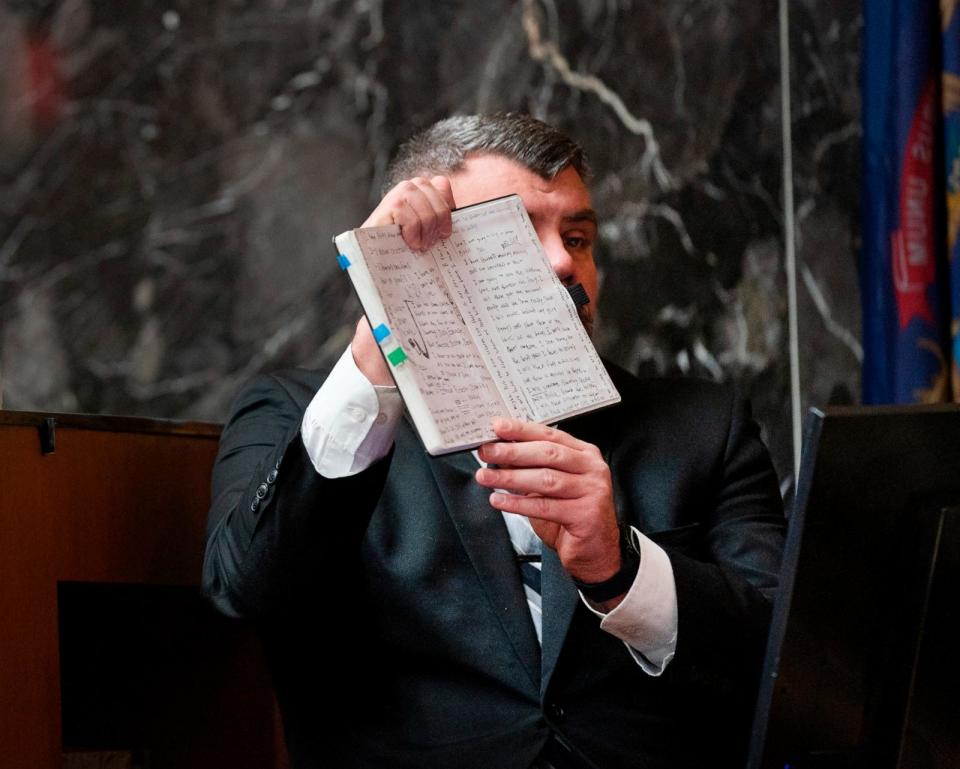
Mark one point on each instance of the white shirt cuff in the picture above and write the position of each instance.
(646, 619)
(349, 424)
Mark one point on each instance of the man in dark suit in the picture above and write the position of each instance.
(394, 590)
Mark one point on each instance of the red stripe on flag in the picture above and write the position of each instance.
(914, 265)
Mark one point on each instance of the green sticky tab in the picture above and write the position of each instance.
(396, 357)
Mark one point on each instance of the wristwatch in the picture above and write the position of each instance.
(619, 583)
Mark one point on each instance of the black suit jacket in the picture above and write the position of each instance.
(394, 597)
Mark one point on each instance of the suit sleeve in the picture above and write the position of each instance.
(725, 591)
(277, 528)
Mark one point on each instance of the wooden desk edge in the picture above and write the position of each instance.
(112, 423)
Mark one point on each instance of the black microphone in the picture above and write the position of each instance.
(579, 294)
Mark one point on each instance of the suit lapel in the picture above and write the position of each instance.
(560, 595)
(560, 598)
(484, 537)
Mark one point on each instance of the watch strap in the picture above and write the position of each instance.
(619, 583)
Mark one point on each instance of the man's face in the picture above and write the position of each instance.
(559, 209)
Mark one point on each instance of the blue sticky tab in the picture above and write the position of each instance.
(381, 332)
(343, 261)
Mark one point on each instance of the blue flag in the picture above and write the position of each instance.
(951, 151)
(904, 266)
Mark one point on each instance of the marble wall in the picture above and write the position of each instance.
(825, 44)
(171, 175)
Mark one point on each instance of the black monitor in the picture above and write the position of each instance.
(862, 668)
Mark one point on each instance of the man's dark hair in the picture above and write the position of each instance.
(445, 146)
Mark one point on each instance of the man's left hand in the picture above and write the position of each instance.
(563, 486)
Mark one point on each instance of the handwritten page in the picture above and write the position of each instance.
(442, 358)
(486, 327)
(521, 318)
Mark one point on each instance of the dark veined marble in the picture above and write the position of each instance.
(825, 44)
(171, 175)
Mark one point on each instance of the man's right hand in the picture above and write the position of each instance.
(422, 209)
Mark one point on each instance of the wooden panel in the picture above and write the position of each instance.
(119, 501)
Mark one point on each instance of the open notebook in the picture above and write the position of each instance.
(476, 327)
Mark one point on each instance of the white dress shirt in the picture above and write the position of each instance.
(350, 424)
